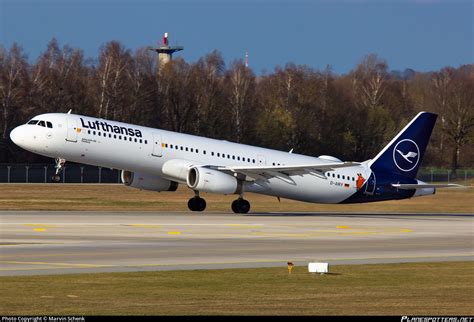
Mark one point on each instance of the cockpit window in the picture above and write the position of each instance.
(33, 122)
(49, 125)
(41, 123)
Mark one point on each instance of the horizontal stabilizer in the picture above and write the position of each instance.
(424, 185)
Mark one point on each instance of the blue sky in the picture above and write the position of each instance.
(420, 34)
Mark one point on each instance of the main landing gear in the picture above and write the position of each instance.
(196, 203)
(240, 206)
(59, 168)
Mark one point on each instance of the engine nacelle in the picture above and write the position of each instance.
(209, 180)
(146, 181)
(177, 169)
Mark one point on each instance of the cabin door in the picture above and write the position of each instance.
(157, 145)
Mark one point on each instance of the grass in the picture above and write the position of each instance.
(382, 289)
(120, 198)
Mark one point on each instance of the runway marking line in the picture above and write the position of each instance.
(40, 225)
(243, 226)
(39, 229)
(174, 233)
(56, 264)
(283, 261)
(144, 226)
(342, 227)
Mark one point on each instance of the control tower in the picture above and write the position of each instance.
(165, 51)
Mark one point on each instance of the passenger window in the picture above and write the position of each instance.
(171, 145)
(146, 142)
(238, 158)
(181, 148)
(137, 140)
(197, 151)
(218, 154)
(338, 176)
(192, 150)
(115, 136)
(228, 156)
(93, 132)
(186, 149)
(141, 141)
(110, 135)
(344, 177)
(130, 139)
(49, 124)
(253, 160)
(88, 131)
(212, 153)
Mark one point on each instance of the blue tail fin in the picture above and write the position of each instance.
(403, 155)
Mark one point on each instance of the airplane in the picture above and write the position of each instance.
(159, 160)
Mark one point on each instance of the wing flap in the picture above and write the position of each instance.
(284, 172)
(424, 185)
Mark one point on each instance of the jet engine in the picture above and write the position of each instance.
(209, 180)
(147, 181)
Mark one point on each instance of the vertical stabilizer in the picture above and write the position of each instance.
(403, 155)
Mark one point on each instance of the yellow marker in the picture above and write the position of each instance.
(290, 267)
(174, 233)
(342, 227)
(78, 130)
(39, 229)
(162, 145)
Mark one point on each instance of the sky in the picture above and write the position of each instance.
(424, 35)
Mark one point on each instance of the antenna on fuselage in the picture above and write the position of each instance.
(291, 151)
(69, 111)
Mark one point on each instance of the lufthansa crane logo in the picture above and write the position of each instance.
(406, 155)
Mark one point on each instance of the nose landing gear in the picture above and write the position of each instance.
(59, 168)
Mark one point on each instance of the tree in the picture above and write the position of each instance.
(240, 91)
(453, 92)
(113, 83)
(13, 86)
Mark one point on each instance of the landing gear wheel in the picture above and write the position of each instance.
(59, 168)
(196, 204)
(240, 206)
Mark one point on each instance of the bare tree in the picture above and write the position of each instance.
(114, 59)
(13, 79)
(240, 84)
(453, 91)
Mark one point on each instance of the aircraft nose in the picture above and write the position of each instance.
(16, 135)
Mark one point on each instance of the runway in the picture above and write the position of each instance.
(35, 242)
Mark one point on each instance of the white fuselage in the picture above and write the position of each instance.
(141, 149)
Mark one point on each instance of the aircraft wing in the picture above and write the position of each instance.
(285, 171)
(424, 185)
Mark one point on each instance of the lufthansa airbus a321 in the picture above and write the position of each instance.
(159, 160)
